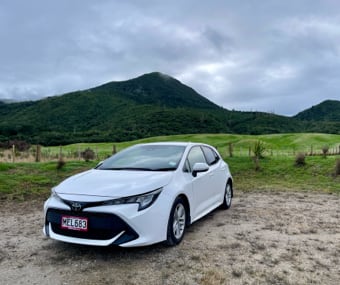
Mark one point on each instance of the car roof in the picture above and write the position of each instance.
(173, 143)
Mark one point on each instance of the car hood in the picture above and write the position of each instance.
(100, 184)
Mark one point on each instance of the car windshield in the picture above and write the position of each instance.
(145, 157)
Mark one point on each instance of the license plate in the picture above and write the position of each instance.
(74, 223)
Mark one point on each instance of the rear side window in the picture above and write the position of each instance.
(210, 155)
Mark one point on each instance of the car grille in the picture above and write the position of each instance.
(101, 226)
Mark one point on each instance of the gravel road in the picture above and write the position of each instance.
(265, 238)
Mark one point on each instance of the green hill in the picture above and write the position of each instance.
(156, 89)
(153, 104)
(324, 117)
(328, 110)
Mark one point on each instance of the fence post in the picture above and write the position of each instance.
(38, 154)
(13, 153)
(230, 148)
(60, 152)
(79, 153)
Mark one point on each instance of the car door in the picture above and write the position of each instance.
(218, 169)
(203, 193)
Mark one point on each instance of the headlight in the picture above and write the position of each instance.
(54, 194)
(144, 200)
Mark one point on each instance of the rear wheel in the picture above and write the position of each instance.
(228, 195)
(176, 223)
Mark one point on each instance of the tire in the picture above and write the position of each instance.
(228, 195)
(176, 223)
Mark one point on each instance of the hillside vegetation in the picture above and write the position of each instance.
(328, 110)
(151, 105)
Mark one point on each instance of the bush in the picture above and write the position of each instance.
(259, 149)
(325, 150)
(19, 145)
(88, 154)
(60, 164)
(300, 159)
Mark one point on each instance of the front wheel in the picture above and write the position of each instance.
(228, 195)
(176, 223)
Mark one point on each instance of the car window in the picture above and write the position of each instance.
(195, 155)
(146, 157)
(211, 156)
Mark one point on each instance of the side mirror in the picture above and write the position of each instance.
(199, 167)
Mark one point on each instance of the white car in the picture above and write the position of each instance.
(145, 194)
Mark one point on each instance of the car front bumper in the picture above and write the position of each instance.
(121, 225)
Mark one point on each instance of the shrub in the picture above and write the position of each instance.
(88, 154)
(325, 150)
(300, 159)
(19, 145)
(259, 149)
(60, 164)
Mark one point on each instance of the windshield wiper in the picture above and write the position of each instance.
(164, 169)
(127, 168)
(139, 168)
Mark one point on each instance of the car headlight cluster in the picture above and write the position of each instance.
(54, 194)
(144, 200)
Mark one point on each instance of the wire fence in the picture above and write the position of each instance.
(289, 152)
(45, 154)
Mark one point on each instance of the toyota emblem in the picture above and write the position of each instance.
(75, 206)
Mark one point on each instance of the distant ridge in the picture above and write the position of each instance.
(328, 110)
(150, 105)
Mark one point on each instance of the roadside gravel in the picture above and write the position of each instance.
(265, 238)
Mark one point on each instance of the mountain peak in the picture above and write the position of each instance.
(160, 89)
(156, 74)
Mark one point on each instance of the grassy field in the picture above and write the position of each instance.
(276, 145)
(277, 170)
(21, 180)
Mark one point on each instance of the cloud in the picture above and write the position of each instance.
(277, 56)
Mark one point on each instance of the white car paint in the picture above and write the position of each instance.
(204, 193)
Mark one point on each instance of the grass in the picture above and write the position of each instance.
(280, 173)
(277, 172)
(19, 181)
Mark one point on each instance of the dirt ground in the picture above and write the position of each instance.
(265, 238)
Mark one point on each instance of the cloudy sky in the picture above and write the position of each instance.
(252, 55)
